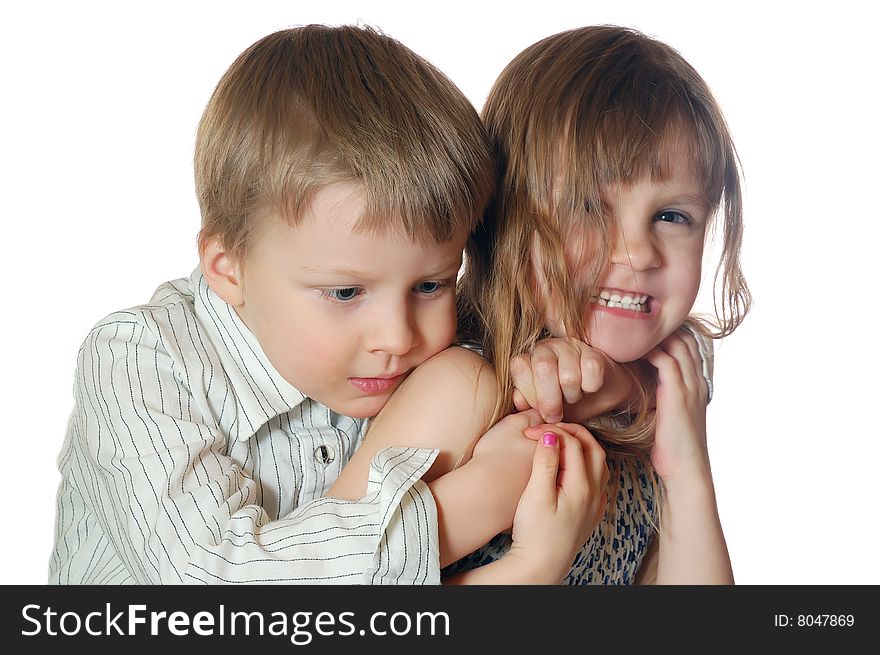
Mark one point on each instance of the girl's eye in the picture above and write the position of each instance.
(344, 294)
(428, 288)
(672, 217)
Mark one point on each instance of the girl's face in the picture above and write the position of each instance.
(651, 281)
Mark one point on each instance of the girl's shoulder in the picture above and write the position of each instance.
(455, 387)
(445, 403)
(459, 372)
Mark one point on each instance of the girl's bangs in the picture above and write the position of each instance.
(633, 137)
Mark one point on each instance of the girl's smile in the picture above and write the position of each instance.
(626, 304)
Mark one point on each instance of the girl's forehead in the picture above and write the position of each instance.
(675, 158)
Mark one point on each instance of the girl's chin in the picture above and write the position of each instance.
(621, 353)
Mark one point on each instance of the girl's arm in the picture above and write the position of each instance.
(445, 403)
(560, 375)
(691, 548)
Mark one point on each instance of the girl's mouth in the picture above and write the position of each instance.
(634, 302)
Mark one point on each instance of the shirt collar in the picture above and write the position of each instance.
(260, 392)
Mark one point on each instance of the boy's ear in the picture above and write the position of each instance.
(221, 271)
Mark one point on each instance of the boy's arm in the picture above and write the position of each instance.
(563, 502)
(150, 496)
(479, 499)
(446, 403)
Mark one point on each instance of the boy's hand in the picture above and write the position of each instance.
(511, 441)
(563, 502)
(567, 379)
(682, 394)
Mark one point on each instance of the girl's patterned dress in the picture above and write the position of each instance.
(611, 560)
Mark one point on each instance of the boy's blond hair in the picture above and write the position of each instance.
(307, 107)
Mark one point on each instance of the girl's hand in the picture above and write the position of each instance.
(566, 378)
(682, 394)
(562, 503)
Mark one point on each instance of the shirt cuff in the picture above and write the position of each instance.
(408, 552)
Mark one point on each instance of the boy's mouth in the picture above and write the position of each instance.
(377, 385)
(634, 302)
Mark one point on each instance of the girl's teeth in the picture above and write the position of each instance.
(631, 302)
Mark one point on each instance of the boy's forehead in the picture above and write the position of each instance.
(346, 207)
(338, 205)
(336, 219)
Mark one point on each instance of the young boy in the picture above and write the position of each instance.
(338, 176)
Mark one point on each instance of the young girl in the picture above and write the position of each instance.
(615, 159)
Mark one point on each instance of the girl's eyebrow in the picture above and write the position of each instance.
(690, 199)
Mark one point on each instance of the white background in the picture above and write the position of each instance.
(98, 110)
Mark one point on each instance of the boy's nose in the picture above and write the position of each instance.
(393, 332)
(635, 249)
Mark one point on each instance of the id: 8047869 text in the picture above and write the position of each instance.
(814, 620)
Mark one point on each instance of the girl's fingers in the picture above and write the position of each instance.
(576, 430)
(545, 470)
(573, 475)
(668, 370)
(532, 424)
(692, 346)
(683, 347)
(569, 370)
(519, 401)
(697, 359)
(521, 376)
(676, 346)
(593, 453)
(592, 370)
(545, 373)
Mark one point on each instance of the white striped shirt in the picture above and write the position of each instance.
(190, 459)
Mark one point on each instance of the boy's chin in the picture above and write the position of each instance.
(366, 407)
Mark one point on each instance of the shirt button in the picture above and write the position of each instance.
(324, 455)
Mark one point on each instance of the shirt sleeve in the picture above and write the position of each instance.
(707, 354)
(148, 495)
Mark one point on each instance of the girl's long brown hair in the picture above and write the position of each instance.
(570, 114)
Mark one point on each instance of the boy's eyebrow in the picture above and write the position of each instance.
(353, 273)
(340, 272)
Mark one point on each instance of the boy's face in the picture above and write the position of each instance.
(344, 316)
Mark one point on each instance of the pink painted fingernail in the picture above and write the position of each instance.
(550, 438)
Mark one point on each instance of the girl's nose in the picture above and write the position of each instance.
(635, 249)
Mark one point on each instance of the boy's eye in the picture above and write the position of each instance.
(344, 294)
(672, 217)
(427, 288)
